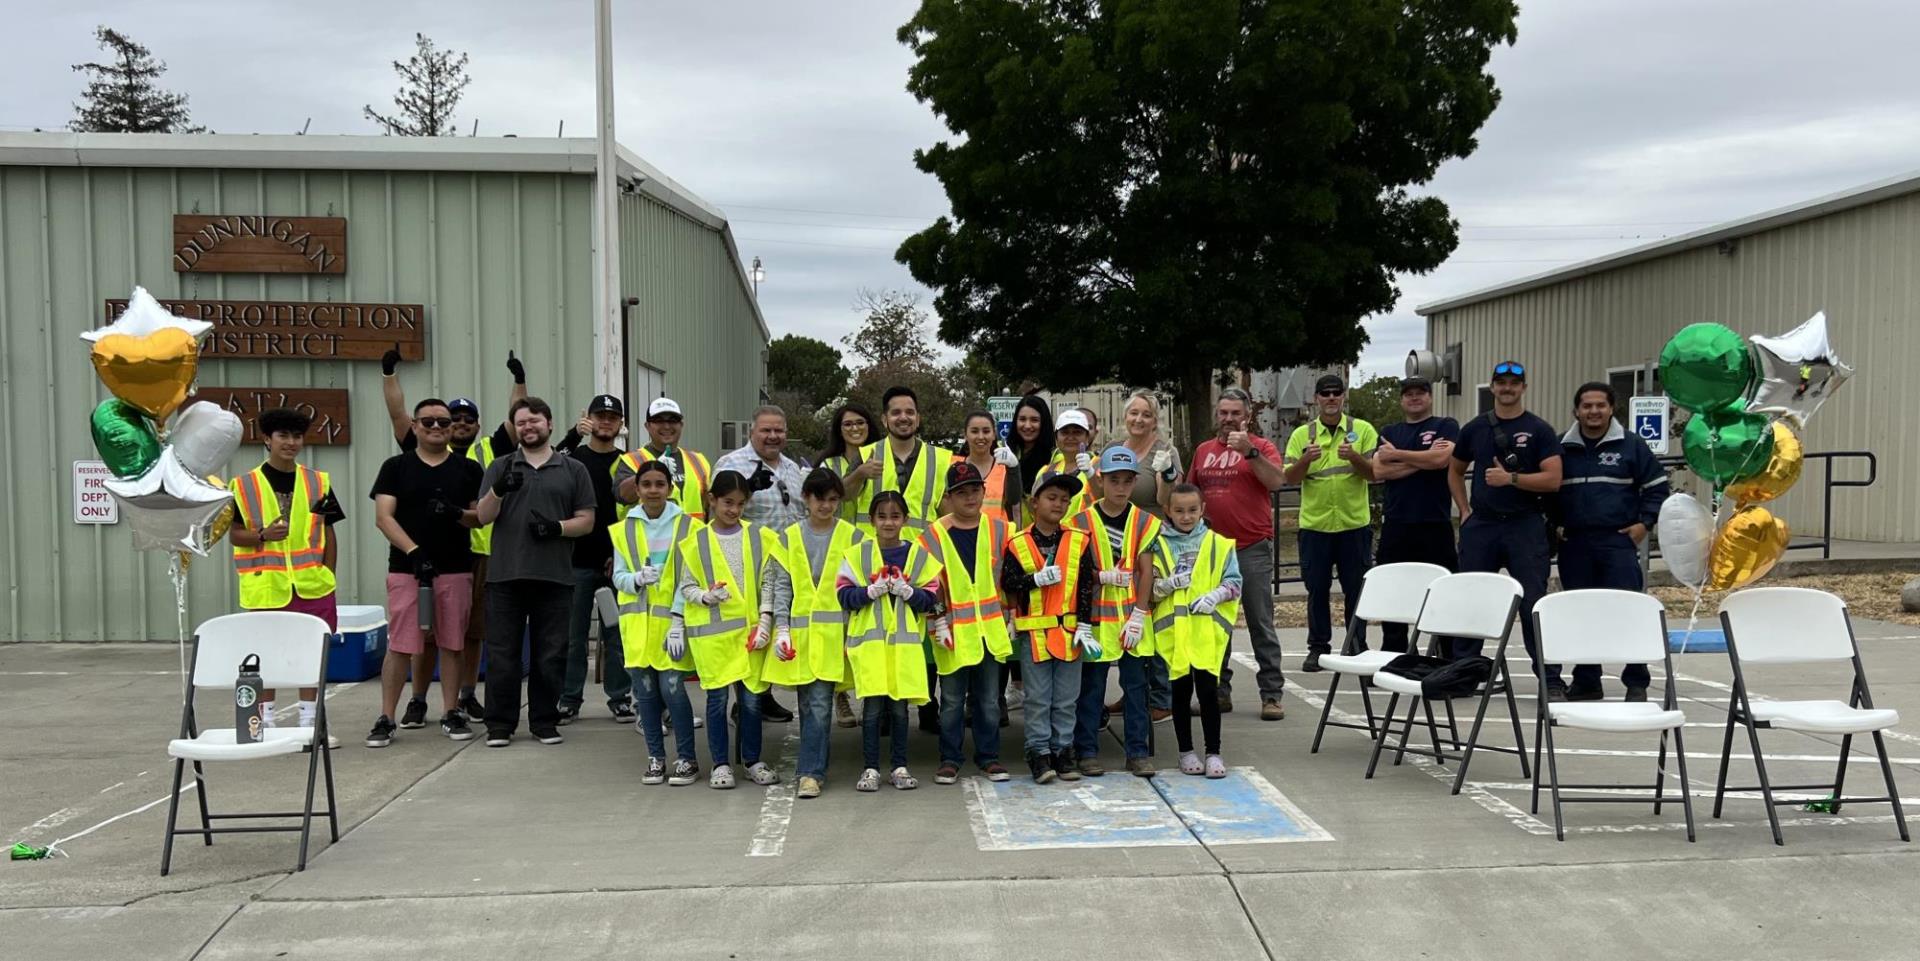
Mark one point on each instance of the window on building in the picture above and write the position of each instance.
(1627, 382)
(1485, 402)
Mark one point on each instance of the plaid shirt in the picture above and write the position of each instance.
(778, 507)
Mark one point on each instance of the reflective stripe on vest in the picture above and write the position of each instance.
(480, 539)
(1050, 618)
(929, 478)
(690, 496)
(270, 576)
(1111, 603)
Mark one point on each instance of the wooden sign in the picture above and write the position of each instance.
(254, 244)
(326, 405)
(289, 330)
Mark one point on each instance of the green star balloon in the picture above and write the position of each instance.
(1706, 367)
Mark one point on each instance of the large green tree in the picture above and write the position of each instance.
(123, 95)
(893, 346)
(807, 368)
(1155, 190)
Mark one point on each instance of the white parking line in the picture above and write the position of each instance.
(776, 812)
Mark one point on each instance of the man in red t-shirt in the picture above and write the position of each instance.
(1237, 473)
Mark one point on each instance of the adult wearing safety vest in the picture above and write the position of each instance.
(1048, 577)
(887, 585)
(646, 573)
(971, 639)
(901, 462)
(1196, 596)
(692, 471)
(1075, 458)
(852, 428)
(809, 625)
(724, 615)
(1004, 492)
(1330, 457)
(1121, 537)
(282, 534)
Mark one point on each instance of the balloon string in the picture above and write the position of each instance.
(178, 575)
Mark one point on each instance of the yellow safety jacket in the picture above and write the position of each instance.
(690, 494)
(270, 574)
(924, 490)
(644, 618)
(885, 639)
(816, 621)
(1186, 640)
(843, 466)
(717, 637)
(1113, 605)
(481, 452)
(1050, 618)
(1089, 482)
(974, 611)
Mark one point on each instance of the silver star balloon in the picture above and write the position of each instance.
(168, 508)
(1798, 372)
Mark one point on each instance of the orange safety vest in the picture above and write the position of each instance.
(270, 574)
(1050, 620)
(995, 504)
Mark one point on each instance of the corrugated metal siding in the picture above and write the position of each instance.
(695, 319)
(500, 260)
(1857, 265)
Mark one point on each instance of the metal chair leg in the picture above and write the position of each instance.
(200, 793)
(1326, 710)
(1380, 740)
(1433, 731)
(333, 806)
(1406, 732)
(1553, 779)
(1660, 774)
(173, 812)
(1766, 786)
(1840, 776)
(1686, 786)
(1893, 793)
(1726, 757)
(306, 816)
(1473, 737)
(1513, 714)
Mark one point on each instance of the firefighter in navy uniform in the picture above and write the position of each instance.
(1611, 487)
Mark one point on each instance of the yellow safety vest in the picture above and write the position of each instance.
(1184, 639)
(885, 639)
(1113, 605)
(1050, 617)
(816, 621)
(1089, 483)
(690, 493)
(843, 466)
(974, 611)
(481, 537)
(644, 619)
(270, 574)
(717, 636)
(924, 490)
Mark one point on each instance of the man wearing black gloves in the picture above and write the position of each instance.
(423, 504)
(538, 500)
(593, 569)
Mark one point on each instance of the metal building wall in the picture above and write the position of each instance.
(500, 260)
(1859, 265)
(695, 320)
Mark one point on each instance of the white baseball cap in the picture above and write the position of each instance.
(1073, 418)
(663, 405)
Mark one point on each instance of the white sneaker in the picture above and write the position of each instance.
(762, 774)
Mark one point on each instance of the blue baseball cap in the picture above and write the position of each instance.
(459, 404)
(1118, 457)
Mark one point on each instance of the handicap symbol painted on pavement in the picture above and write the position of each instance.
(1170, 810)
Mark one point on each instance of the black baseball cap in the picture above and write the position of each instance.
(1329, 382)
(1415, 383)
(1066, 482)
(607, 403)
(459, 404)
(962, 474)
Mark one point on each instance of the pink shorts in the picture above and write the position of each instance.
(452, 603)
(325, 608)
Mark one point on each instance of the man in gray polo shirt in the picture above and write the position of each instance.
(537, 500)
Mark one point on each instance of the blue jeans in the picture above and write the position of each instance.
(581, 621)
(658, 691)
(1601, 558)
(981, 685)
(717, 724)
(1052, 688)
(873, 708)
(816, 725)
(1093, 707)
(1159, 688)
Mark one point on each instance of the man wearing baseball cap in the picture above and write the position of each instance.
(1330, 458)
(593, 570)
(1411, 461)
(691, 469)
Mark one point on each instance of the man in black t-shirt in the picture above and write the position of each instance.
(1412, 460)
(1515, 457)
(423, 504)
(593, 569)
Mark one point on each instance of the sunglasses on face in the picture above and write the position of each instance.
(1332, 392)
(663, 420)
(1509, 367)
(435, 423)
(466, 419)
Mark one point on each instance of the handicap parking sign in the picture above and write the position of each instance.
(1649, 417)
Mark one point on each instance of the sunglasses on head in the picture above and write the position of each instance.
(435, 423)
(1332, 392)
(1509, 367)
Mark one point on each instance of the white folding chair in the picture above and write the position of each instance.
(1393, 594)
(1473, 606)
(293, 654)
(1795, 625)
(1605, 627)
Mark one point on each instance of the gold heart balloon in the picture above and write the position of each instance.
(1782, 470)
(153, 371)
(1746, 549)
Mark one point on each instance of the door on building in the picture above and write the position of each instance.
(649, 382)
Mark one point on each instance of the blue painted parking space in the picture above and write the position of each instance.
(1241, 808)
(1119, 811)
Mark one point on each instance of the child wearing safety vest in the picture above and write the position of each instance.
(1049, 578)
(1121, 537)
(886, 586)
(1196, 594)
(723, 615)
(1074, 458)
(809, 626)
(971, 639)
(646, 569)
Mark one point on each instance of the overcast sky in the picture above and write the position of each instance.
(1622, 121)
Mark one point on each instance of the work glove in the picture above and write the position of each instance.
(761, 480)
(543, 528)
(510, 480)
(1046, 576)
(943, 632)
(1162, 460)
(676, 645)
(390, 360)
(1135, 628)
(443, 510)
(1208, 601)
(327, 508)
(878, 589)
(647, 576)
(716, 595)
(762, 634)
(783, 644)
(1083, 462)
(1004, 456)
(1117, 577)
(1083, 638)
(422, 564)
(518, 369)
(1178, 582)
(900, 588)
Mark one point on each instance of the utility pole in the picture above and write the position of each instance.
(609, 377)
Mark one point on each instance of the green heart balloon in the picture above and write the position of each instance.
(1726, 445)
(1706, 367)
(124, 438)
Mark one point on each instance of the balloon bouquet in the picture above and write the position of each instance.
(164, 480)
(1748, 406)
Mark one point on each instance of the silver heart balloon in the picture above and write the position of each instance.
(204, 437)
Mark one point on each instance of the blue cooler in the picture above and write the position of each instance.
(361, 645)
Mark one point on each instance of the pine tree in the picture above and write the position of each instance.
(121, 96)
(434, 79)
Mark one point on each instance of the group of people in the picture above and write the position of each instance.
(1019, 573)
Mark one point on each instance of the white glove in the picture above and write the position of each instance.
(901, 588)
(1162, 460)
(647, 576)
(1117, 577)
(1178, 582)
(676, 646)
(783, 644)
(943, 632)
(716, 595)
(762, 634)
(1083, 637)
(1207, 602)
(1083, 462)
(1046, 576)
(1004, 456)
(1135, 627)
(877, 589)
